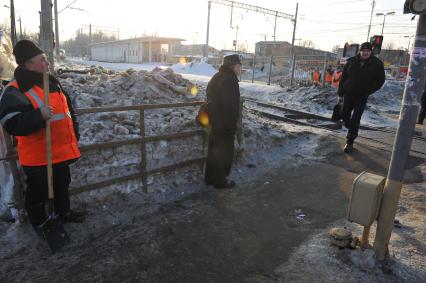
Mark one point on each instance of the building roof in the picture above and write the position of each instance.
(160, 40)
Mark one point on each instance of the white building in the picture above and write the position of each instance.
(134, 50)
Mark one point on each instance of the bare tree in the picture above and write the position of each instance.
(307, 43)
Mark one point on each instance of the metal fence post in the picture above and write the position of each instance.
(293, 65)
(325, 68)
(143, 150)
(270, 70)
(254, 65)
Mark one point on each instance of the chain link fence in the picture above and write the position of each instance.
(285, 71)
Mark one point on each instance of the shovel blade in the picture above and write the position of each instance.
(54, 233)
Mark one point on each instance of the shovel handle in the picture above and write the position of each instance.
(48, 138)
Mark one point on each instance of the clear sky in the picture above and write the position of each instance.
(326, 22)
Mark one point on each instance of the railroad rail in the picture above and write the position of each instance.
(321, 122)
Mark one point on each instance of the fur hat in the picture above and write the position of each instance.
(366, 45)
(25, 50)
(230, 60)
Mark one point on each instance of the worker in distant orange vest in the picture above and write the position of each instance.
(336, 78)
(316, 77)
(329, 75)
(23, 114)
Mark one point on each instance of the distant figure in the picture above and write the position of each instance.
(422, 113)
(223, 96)
(336, 77)
(262, 68)
(316, 77)
(362, 76)
(23, 114)
(329, 75)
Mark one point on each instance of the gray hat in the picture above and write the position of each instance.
(230, 60)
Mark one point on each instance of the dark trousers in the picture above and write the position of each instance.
(36, 193)
(219, 159)
(353, 107)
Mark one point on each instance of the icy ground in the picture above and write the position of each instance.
(265, 145)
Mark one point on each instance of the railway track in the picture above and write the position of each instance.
(321, 122)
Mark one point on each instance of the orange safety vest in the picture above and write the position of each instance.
(32, 148)
(328, 78)
(336, 78)
(316, 76)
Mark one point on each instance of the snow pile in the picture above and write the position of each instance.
(7, 61)
(200, 68)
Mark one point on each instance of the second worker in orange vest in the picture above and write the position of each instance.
(23, 114)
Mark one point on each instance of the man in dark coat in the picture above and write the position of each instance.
(223, 97)
(362, 76)
(21, 118)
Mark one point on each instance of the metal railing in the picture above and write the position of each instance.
(143, 140)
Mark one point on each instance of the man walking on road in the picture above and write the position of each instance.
(362, 76)
(23, 114)
(223, 97)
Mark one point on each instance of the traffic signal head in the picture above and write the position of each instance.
(377, 41)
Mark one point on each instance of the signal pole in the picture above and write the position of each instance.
(205, 51)
(414, 86)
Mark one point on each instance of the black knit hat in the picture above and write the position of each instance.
(25, 50)
(230, 60)
(366, 45)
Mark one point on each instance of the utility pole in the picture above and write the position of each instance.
(12, 23)
(205, 52)
(373, 4)
(47, 30)
(294, 30)
(56, 30)
(293, 54)
(414, 86)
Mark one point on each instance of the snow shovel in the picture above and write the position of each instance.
(52, 228)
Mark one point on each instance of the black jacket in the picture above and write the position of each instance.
(14, 100)
(361, 79)
(223, 96)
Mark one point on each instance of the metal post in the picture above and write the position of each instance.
(143, 150)
(293, 66)
(56, 30)
(383, 26)
(254, 65)
(12, 23)
(371, 17)
(47, 30)
(414, 85)
(205, 53)
(325, 68)
(270, 63)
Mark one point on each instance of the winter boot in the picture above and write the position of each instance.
(348, 148)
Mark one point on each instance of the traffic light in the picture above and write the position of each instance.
(377, 41)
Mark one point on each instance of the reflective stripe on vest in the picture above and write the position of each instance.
(32, 148)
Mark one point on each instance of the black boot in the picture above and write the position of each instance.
(348, 148)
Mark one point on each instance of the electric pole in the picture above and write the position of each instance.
(373, 4)
(414, 86)
(294, 29)
(47, 30)
(56, 30)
